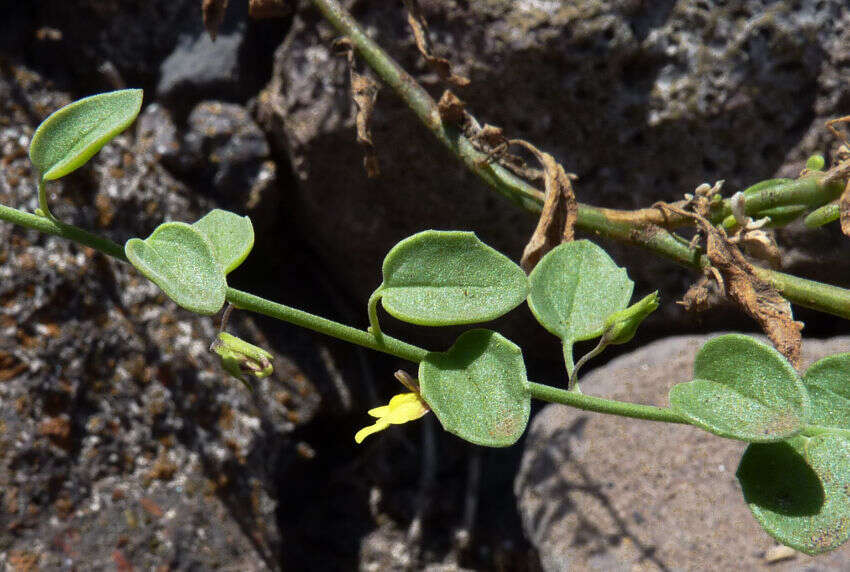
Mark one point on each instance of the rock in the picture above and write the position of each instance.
(602, 492)
(121, 438)
(222, 152)
(231, 68)
(642, 101)
(199, 67)
(130, 38)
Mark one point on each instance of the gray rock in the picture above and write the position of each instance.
(599, 492)
(222, 152)
(644, 101)
(130, 37)
(122, 441)
(200, 67)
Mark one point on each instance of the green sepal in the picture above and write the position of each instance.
(239, 358)
(620, 327)
(478, 388)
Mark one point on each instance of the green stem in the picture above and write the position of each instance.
(239, 299)
(600, 405)
(425, 108)
(385, 343)
(55, 227)
(593, 220)
(374, 325)
(600, 347)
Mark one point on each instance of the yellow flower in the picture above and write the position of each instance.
(402, 408)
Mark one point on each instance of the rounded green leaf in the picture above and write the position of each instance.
(70, 136)
(440, 278)
(574, 288)
(180, 260)
(799, 490)
(828, 382)
(478, 389)
(231, 236)
(743, 389)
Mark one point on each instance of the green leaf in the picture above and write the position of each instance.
(766, 184)
(799, 491)
(574, 288)
(70, 136)
(743, 389)
(478, 389)
(438, 278)
(180, 260)
(231, 236)
(828, 382)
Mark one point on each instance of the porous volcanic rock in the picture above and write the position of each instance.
(643, 101)
(122, 442)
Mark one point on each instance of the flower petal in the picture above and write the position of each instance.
(381, 411)
(379, 425)
(405, 407)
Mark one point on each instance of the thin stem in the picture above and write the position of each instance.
(374, 325)
(42, 199)
(600, 405)
(600, 347)
(55, 227)
(425, 108)
(241, 300)
(386, 344)
(642, 228)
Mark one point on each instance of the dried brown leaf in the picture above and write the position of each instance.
(451, 108)
(213, 11)
(364, 93)
(419, 26)
(698, 297)
(261, 9)
(560, 210)
(844, 209)
(760, 245)
(757, 298)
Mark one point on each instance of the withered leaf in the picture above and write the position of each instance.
(738, 280)
(844, 209)
(560, 210)
(761, 246)
(698, 297)
(364, 93)
(261, 9)
(213, 11)
(451, 108)
(419, 26)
